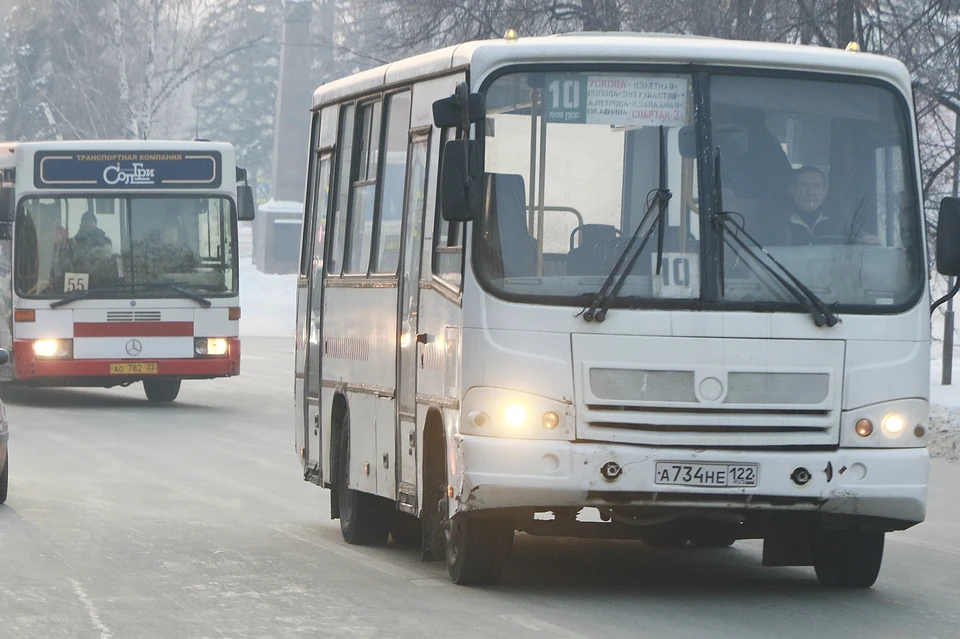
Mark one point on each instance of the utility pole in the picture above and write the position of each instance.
(946, 374)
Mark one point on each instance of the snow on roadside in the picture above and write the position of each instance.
(268, 303)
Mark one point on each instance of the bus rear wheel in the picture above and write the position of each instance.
(477, 549)
(365, 519)
(161, 390)
(848, 558)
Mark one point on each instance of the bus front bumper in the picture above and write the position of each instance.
(97, 372)
(495, 473)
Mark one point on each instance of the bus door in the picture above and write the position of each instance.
(314, 320)
(409, 307)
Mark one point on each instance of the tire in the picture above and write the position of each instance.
(477, 549)
(161, 390)
(365, 519)
(4, 479)
(848, 558)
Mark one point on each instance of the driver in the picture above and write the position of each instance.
(809, 219)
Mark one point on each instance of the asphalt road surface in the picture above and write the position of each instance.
(190, 520)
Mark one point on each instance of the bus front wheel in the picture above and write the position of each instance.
(848, 558)
(477, 549)
(161, 390)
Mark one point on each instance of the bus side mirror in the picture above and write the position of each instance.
(948, 237)
(460, 181)
(8, 204)
(4, 357)
(449, 112)
(246, 207)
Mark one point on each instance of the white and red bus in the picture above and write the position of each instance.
(118, 263)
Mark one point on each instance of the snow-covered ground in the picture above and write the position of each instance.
(269, 304)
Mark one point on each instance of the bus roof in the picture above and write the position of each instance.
(482, 57)
(119, 145)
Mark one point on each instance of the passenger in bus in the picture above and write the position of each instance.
(91, 251)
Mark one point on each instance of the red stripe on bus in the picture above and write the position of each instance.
(133, 329)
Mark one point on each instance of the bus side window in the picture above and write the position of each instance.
(309, 221)
(364, 190)
(391, 191)
(337, 224)
(448, 240)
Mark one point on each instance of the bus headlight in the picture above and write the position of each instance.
(892, 424)
(897, 424)
(52, 348)
(515, 415)
(214, 346)
(496, 412)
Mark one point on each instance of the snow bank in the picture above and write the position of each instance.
(268, 303)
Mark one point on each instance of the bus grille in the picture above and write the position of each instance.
(134, 316)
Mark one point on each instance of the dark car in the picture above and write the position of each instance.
(4, 436)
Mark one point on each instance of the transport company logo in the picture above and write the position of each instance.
(133, 174)
(134, 347)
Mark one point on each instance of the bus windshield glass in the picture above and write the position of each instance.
(125, 246)
(815, 170)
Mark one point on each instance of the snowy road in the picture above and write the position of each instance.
(131, 520)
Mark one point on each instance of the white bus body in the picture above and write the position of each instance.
(460, 382)
(120, 263)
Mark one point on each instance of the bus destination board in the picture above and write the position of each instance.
(127, 170)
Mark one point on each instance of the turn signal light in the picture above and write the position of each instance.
(24, 315)
(234, 313)
(864, 427)
(550, 420)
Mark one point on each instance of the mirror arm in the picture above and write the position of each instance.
(952, 292)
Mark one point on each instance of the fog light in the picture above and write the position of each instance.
(892, 424)
(551, 420)
(864, 427)
(515, 415)
(51, 348)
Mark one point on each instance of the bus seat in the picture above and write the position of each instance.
(590, 257)
(509, 245)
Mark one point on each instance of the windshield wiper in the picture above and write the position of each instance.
(73, 297)
(822, 315)
(614, 282)
(199, 299)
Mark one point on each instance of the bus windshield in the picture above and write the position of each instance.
(817, 171)
(125, 246)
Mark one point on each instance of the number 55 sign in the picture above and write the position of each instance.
(76, 282)
(679, 275)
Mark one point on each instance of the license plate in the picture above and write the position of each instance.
(133, 368)
(709, 475)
